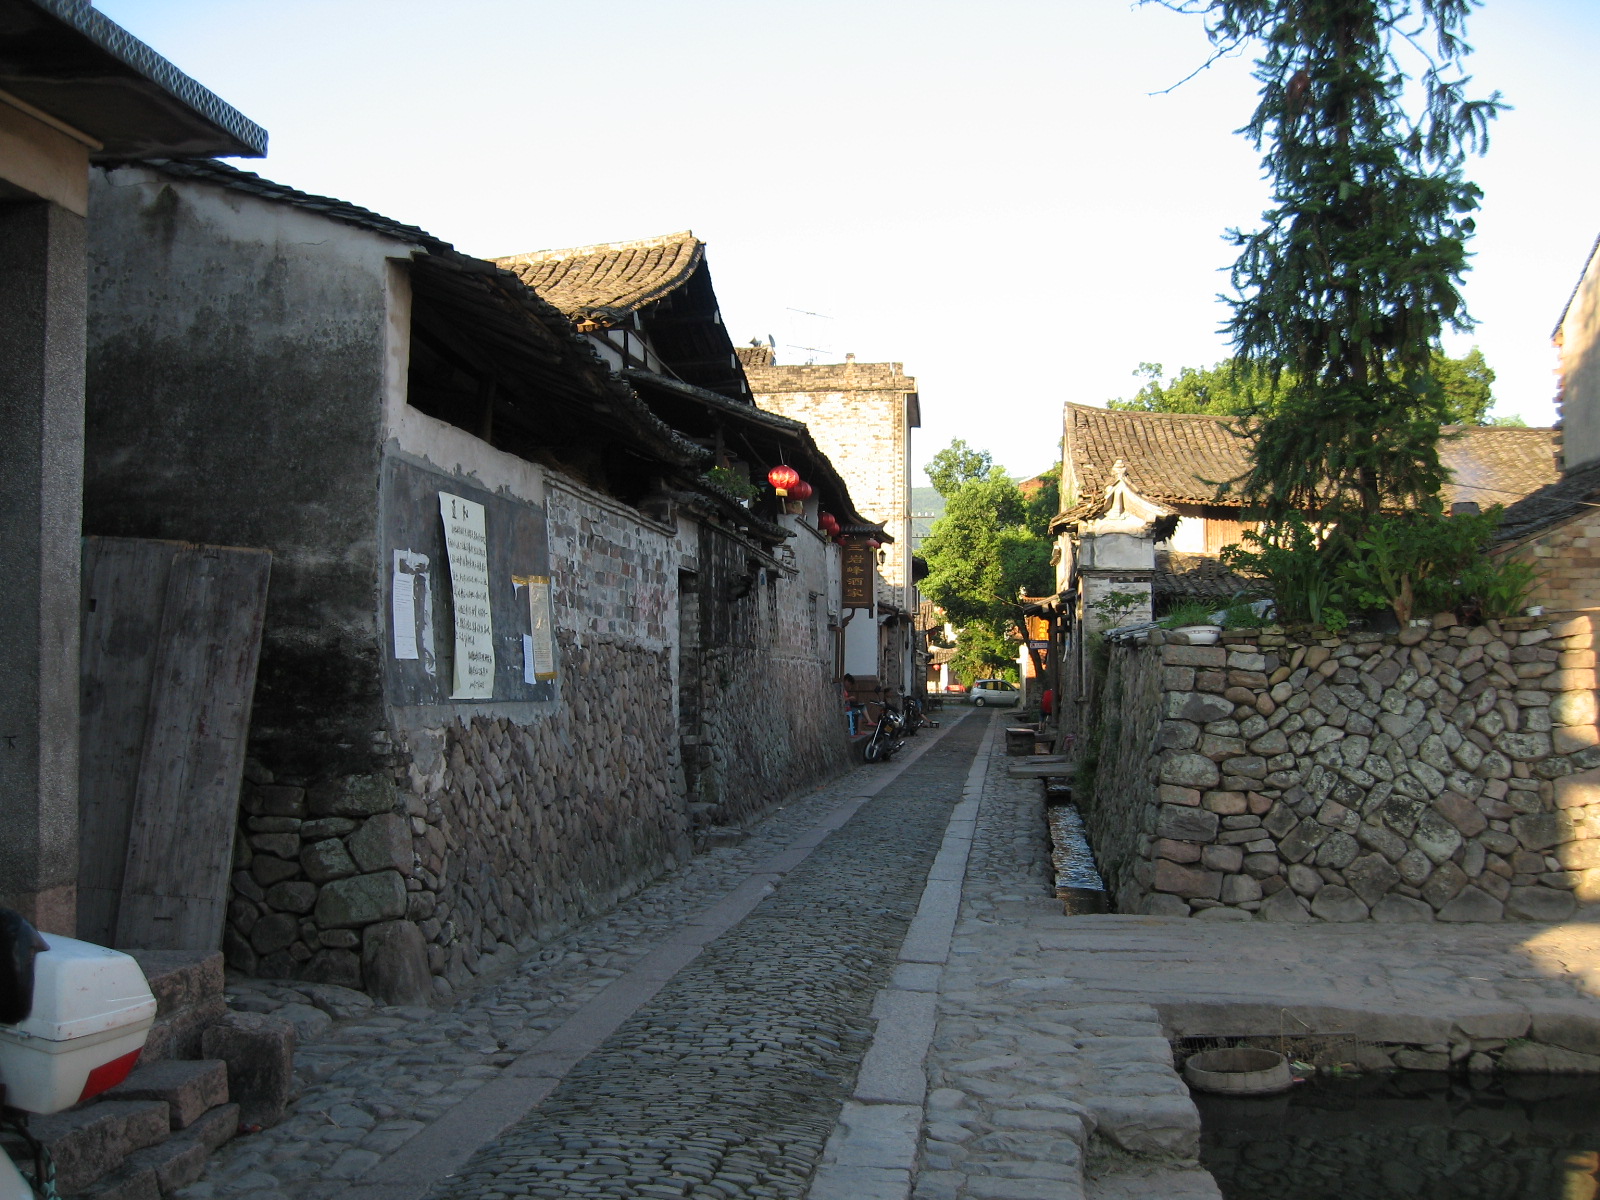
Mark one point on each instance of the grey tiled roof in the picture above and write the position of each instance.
(1572, 495)
(1180, 458)
(608, 281)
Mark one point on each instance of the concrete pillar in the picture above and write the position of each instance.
(42, 299)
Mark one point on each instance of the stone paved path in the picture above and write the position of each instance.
(375, 1077)
(1055, 1027)
(729, 1010)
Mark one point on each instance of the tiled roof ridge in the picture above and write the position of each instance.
(1142, 414)
(561, 253)
(226, 175)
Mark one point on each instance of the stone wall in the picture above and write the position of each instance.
(1568, 559)
(490, 828)
(1446, 773)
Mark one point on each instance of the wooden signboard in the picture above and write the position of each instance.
(858, 576)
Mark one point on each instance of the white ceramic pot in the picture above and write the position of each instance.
(1201, 635)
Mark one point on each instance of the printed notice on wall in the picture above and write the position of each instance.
(539, 646)
(412, 599)
(468, 550)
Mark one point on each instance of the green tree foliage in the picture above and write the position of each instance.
(955, 465)
(980, 555)
(1041, 501)
(1234, 387)
(1345, 289)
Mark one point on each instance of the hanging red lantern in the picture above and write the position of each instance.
(801, 490)
(783, 477)
(873, 543)
(828, 521)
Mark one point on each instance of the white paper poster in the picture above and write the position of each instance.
(538, 647)
(468, 550)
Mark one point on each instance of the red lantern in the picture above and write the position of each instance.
(873, 543)
(828, 521)
(801, 490)
(782, 478)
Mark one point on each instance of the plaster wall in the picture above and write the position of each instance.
(241, 355)
(1579, 338)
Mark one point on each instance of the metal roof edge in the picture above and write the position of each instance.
(136, 55)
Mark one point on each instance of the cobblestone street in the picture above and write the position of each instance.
(872, 997)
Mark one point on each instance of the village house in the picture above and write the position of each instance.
(519, 652)
(862, 415)
(1143, 467)
(1557, 527)
(75, 89)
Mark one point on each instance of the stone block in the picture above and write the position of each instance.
(130, 1181)
(1227, 859)
(175, 1163)
(1472, 905)
(1226, 804)
(1304, 839)
(1540, 904)
(1573, 738)
(275, 800)
(1523, 747)
(394, 963)
(266, 870)
(327, 860)
(1159, 905)
(1189, 770)
(1166, 793)
(1370, 877)
(1575, 708)
(1539, 831)
(1446, 882)
(181, 979)
(1199, 707)
(259, 1052)
(1188, 882)
(1187, 824)
(1580, 856)
(215, 1128)
(1194, 656)
(1338, 904)
(188, 1089)
(292, 896)
(1174, 851)
(335, 965)
(383, 843)
(1435, 836)
(361, 900)
(1534, 1058)
(90, 1142)
(1285, 907)
(354, 796)
(1578, 790)
(1401, 910)
(1147, 1125)
(1240, 889)
(275, 932)
(1467, 818)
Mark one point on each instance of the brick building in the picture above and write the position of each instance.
(1558, 527)
(862, 415)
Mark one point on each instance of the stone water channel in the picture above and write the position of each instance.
(1362, 1129)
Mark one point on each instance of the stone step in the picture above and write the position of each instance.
(180, 1160)
(88, 1143)
(187, 986)
(189, 1087)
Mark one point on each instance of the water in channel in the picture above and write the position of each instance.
(1408, 1136)
(1077, 880)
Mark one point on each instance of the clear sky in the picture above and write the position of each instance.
(987, 192)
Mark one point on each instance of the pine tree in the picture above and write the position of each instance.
(1344, 290)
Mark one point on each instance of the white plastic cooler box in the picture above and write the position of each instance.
(92, 1010)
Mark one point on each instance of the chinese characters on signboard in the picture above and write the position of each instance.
(468, 553)
(857, 577)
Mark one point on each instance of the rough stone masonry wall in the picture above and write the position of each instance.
(1568, 558)
(494, 829)
(1449, 773)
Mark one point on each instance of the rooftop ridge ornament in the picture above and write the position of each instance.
(1126, 511)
